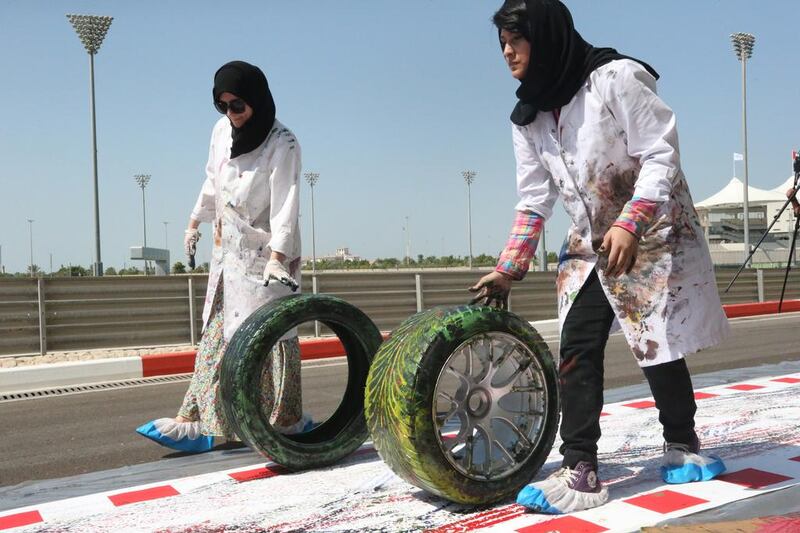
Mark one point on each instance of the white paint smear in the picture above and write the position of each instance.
(748, 429)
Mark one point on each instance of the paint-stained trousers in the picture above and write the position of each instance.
(583, 342)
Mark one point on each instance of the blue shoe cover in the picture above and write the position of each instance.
(565, 491)
(306, 423)
(695, 468)
(535, 500)
(172, 436)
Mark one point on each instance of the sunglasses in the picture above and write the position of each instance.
(235, 106)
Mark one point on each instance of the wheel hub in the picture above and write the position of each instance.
(479, 403)
(489, 406)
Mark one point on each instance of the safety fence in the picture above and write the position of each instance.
(769, 258)
(55, 314)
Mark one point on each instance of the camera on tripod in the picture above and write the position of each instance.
(792, 199)
(792, 193)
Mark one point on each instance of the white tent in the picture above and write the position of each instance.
(781, 189)
(733, 194)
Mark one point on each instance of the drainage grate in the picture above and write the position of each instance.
(94, 387)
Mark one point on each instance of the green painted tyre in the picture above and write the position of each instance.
(345, 430)
(463, 402)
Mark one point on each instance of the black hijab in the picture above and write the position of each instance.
(560, 61)
(248, 83)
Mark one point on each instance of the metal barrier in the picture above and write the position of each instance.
(55, 314)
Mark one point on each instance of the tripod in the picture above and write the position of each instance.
(791, 200)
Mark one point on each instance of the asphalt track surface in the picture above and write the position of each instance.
(60, 436)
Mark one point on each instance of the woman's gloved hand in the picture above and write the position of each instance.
(275, 271)
(190, 238)
(494, 287)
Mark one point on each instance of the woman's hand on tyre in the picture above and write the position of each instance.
(493, 288)
(275, 271)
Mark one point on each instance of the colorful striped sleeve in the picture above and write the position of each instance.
(637, 215)
(521, 246)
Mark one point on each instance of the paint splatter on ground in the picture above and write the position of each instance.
(752, 425)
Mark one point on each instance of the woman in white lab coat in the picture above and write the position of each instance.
(589, 128)
(251, 199)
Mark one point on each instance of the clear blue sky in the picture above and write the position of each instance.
(390, 102)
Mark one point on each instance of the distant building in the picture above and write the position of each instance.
(342, 254)
(722, 219)
(722, 214)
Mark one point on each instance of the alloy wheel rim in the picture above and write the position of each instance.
(490, 406)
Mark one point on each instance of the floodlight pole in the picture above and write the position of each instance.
(142, 180)
(469, 177)
(30, 235)
(98, 263)
(312, 178)
(743, 48)
(91, 31)
(543, 253)
(408, 243)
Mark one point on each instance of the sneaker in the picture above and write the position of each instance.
(181, 436)
(683, 463)
(565, 491)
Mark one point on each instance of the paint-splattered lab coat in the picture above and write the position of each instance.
(614, 140)
(253, 203)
